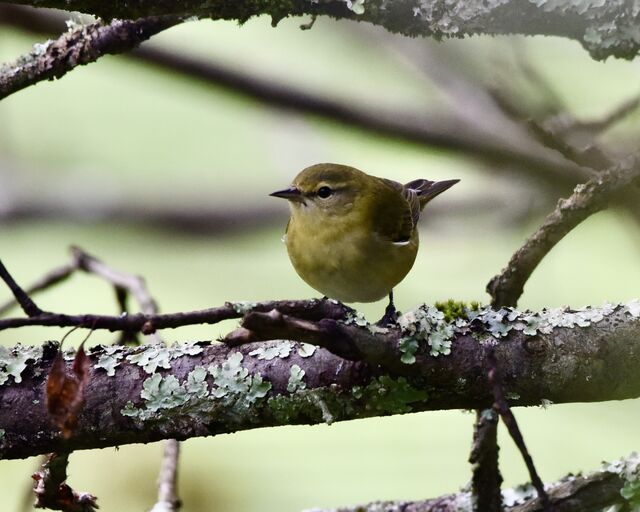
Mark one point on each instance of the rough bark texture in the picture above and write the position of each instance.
(81, 46)
(603, 28)
(486, 478)
(149, 393)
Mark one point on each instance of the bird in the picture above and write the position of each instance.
(352, 236)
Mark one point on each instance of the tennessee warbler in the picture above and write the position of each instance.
(352, 236)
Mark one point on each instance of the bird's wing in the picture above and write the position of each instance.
(421, 187)
(397, 213)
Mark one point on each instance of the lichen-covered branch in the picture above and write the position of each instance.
(433, 360)
(422, 127)
(615, 486)
(587, 199)
(83, 45)
(604, 28)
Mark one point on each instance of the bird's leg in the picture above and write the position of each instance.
(390, 313)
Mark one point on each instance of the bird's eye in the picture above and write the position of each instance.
(324, 192)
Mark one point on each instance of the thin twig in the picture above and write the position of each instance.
(597, 126)
(50, 279)
(135, 285)
(587, 199)
(502, 408)
(27, 305)
(148, 323)
(168, 500)
(124, 284)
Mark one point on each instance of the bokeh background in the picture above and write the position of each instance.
(94, 158)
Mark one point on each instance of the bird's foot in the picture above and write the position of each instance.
(389, 318)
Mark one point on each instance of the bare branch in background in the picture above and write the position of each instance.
(124, 284)
(587, 199)
(191, 219)
(597, 126)
(168, 500)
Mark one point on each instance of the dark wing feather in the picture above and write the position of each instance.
(398, 211)
(421, 187)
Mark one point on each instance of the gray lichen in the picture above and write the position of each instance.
(428, 326)
(296, 382)
(629, 470)
(152, 357)
(356, 6)
(306, 350)
(232, 387)
(110, 359)
(233, 381)
(243, 307)
(276, 349)
(426, 323)
(14, 361)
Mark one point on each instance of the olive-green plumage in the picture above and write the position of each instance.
(351, 236)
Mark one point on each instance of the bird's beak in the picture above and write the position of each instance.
(436, 189)
(291, 193)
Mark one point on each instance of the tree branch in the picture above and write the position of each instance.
(604, 29)
(507, 145)
(27, 305)
(149, 393)
(598, 490)
(587, 199)
(486, 478)
(52, 491)
(77, 47)
(168, 500)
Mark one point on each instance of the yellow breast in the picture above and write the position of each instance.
(345, 260)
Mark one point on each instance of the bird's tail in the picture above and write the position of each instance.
(427, 190)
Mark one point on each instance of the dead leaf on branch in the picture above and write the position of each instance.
(65, 390)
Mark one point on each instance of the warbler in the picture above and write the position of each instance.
(351, 236)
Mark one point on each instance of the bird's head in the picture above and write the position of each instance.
(325, 189)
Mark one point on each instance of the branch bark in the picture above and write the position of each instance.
(486, 478)
(149, 393)
(80, 46)
(598, 490)
(604, 29)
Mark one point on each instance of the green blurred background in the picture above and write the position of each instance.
(120, 132)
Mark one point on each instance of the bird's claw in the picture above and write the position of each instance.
(389, 318)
